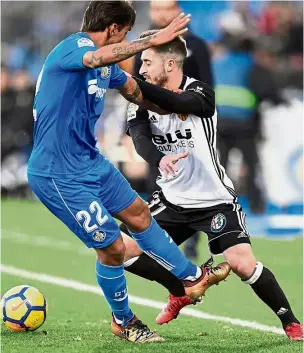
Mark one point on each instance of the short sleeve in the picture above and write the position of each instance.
(72, 50)
(118, 77)
(135, 117)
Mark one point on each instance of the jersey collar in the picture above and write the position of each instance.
(182, 85)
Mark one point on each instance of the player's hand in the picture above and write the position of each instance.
(168, 163)
(176, 28)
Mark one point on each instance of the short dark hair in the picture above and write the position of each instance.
(101, 14)
(176, 46)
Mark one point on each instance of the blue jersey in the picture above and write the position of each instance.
(69, 99)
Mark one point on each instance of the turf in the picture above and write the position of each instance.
(34, 240)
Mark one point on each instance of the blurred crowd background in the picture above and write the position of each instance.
(251, 52)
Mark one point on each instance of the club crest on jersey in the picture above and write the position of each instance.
(183, 117)
(105, 72)
(218, 223)
(99, 236)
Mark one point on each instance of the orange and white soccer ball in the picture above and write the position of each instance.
(24, 308)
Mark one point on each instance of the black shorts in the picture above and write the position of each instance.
(224, 224)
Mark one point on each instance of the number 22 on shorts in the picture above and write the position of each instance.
(94, 207)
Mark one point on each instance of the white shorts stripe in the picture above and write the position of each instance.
(65, 203)
(159, 210)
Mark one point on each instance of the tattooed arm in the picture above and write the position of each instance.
(131, 91)
(111, 54)
(114, 53)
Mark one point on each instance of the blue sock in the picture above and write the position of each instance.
(156, 243)
(112, 281)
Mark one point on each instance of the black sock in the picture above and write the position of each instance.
(148, 268)
(269, 291)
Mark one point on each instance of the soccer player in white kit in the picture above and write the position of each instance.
(178, 134)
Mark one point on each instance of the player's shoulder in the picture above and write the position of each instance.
(78, 39)
(194, 85)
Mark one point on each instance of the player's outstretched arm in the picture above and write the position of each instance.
(131, 91)
(198, 99)
(114, 53)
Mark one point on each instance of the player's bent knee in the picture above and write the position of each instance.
(241, 260)
(242, 267)
(140, 218)
(112, 255)
(136, 217)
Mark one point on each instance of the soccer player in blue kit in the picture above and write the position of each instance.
(74, 181)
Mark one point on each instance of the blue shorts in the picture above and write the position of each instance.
(86, 204)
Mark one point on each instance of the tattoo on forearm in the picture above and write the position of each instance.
(133, 97)
(120, 52)
(123, 52)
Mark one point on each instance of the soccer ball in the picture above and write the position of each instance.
(24, 308)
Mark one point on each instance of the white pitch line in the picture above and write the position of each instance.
(69, 283)
(44, 242)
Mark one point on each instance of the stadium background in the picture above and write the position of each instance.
(32, 238)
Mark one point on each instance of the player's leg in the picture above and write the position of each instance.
(142, 265)
(233, 241)
(264, 284)
(78, 207)
(129, 208)
(175, 224)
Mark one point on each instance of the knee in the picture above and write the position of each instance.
(243, 267)
(242, 261)
(141, 217)
(112, 255)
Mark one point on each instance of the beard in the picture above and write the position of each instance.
(159, 80)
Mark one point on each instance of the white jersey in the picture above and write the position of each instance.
(200, 181)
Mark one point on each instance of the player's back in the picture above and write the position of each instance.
(69, 99)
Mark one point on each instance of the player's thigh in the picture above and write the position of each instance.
(169, 220)
(115, 191)
(225, 227)
(79, 208)
(173, 222)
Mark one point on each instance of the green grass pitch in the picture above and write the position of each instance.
(79, 321)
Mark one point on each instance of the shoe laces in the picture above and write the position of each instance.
(212, 270)
(139, 325)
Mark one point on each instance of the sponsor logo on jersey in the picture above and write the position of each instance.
(94, 89)
(99, 236)
(172, 137)
(131, 111)
(153, 119)
(172, 142)
(105, 72)
(218, 223)
(85, 42)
